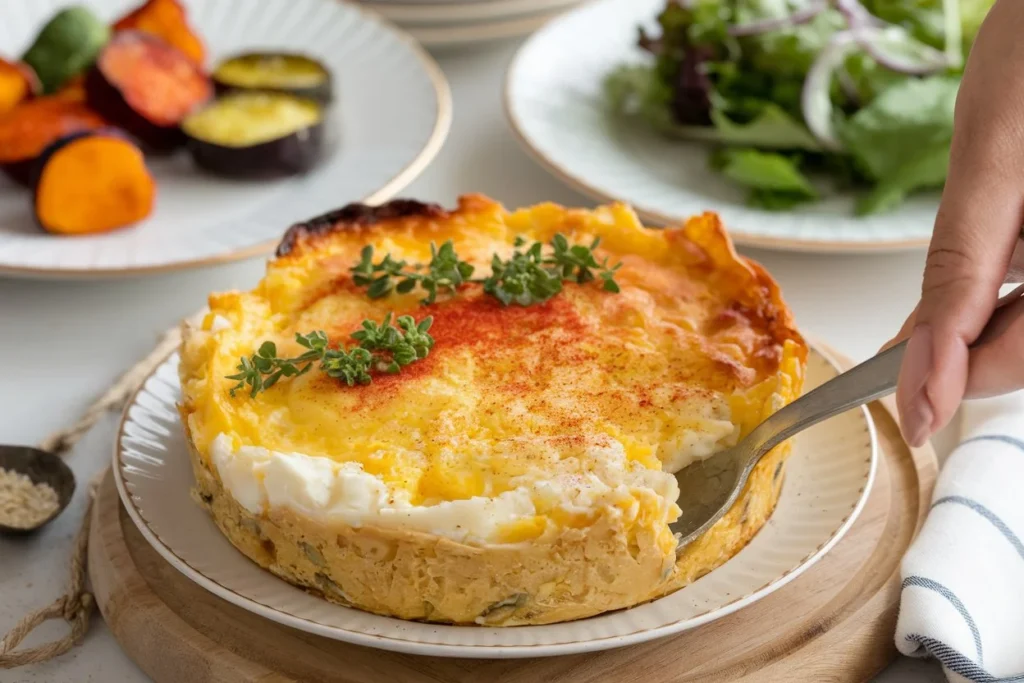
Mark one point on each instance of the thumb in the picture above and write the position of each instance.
(975, 232)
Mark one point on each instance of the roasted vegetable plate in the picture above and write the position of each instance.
(89, 101)
(146, 135)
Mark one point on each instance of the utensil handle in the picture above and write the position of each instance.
(872, 379)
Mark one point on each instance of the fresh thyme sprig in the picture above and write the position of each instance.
(382, 347)
(522, 279)
(576, 261)
(527, 277)
(445, 271)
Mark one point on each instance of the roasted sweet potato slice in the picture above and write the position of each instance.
(17, 83)
(146, 87)
(32, 126)
(92, 182)
(168, 20)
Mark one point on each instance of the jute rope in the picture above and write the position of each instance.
(75, 606)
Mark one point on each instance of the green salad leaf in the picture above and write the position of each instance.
(790, 52)
(775, 179)
(925, 19)
(636, 90)
(926, 169)
(883, 129)
(772, 128)
(901, 139)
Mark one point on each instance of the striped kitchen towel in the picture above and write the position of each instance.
(963, 577)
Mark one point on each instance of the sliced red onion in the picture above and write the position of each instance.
(801, 16)
(815, 98)
(927, 59)
(857, 15)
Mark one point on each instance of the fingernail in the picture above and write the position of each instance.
(916, 413)
(917, 421)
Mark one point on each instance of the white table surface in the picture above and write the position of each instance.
(61, 343)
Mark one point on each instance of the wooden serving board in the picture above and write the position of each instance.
(834, 623)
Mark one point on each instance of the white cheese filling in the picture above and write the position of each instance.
(342, 492)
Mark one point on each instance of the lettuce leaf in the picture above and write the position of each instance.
(907, 118)
(637, 90)
(901, 139)
(925, 169)
(925, 18)
(775, 179)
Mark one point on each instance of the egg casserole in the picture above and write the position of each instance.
(519, 473)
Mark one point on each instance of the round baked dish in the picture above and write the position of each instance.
(519, 473)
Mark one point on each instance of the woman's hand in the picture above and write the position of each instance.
(976, 245)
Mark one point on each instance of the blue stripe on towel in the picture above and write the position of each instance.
(987, 514)
(958, 663)
(1002, 438)
(922, 582)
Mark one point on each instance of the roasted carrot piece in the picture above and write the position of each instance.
(92, 182)
(168, 20)
(17, 83)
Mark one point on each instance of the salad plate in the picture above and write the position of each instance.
(457, 13)
(828, 477)
(391, 116)
(591, 106)
(479, 32)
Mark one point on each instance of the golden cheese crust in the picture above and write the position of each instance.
(573, 408)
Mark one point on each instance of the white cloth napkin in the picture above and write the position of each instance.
(963, 577)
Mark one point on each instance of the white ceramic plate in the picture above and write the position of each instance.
(827, 481)
(391, 118)
(554, 101)
(457, 13)
(473, 33)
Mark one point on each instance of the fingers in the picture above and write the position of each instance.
(966, 264)
(976, 231)
(997, 361)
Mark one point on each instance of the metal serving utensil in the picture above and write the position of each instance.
(709, 487)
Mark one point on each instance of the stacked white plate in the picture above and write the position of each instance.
(440, 23)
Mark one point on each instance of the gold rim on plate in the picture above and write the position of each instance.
(450, 14)
(464, 34)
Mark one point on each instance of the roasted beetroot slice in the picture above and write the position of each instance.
(147, 87)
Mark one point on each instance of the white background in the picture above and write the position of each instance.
(62, 343)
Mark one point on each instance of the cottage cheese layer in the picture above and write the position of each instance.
(333, 491)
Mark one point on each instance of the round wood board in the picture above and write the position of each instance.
(834, 623)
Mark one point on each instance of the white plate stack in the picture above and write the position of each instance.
(442, 23)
